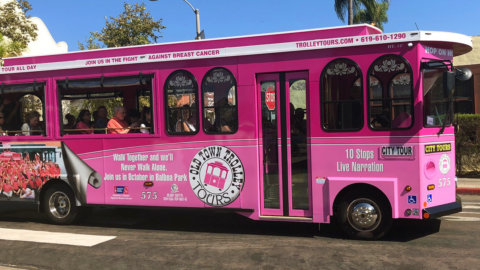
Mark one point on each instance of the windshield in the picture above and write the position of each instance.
(435, 99)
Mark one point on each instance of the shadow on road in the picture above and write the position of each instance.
(208, 221)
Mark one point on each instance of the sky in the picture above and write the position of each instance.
(73, 20)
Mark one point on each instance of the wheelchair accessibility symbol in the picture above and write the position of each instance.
(412, 199)
(429, 198)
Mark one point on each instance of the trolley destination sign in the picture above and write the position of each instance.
(394, 151)
(436, 148)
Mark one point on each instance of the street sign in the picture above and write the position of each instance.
(270, 98)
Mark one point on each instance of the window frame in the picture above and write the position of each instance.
(144, 75)
(323, 100)
(165, 97)
(468, 84)
(390, 99)
(44, 115)
(448, 103)
(204, 120)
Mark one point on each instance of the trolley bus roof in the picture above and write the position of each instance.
(313, 39)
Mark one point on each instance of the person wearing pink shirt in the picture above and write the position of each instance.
(7, 189)
(118, 125)
(84, 125)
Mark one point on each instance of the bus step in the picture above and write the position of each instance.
(287, 218)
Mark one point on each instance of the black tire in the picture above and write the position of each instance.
(59, 205)
(364, 215)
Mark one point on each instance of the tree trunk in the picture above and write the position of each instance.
(350, 12)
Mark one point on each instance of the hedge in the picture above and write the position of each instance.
(467, 140)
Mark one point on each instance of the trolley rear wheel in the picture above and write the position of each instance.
(59, 205)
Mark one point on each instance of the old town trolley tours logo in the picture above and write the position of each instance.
(216, 175)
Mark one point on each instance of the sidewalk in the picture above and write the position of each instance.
(468, 185)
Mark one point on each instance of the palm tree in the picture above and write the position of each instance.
(373, 12)
(346, 5)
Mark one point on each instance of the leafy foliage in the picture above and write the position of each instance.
(467, 144)
(346, 6)
(31, 103)
(373, 12)
(16, 31)
(135, 26)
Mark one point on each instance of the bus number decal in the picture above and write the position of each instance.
(444, 182)
(148, 195)
(216, 175)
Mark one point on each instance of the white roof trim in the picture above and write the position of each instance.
(463, 43)
(218, 39)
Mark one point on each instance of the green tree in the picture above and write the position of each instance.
(363, 11)
(134, 26)
(16, 30)
(372, 12)
(348, 6)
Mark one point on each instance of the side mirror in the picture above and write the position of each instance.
(449, 82)
(463, 74)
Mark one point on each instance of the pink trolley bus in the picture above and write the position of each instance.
(343, 124)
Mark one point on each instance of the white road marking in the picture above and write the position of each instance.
(72, 239)
(467, 212)
(460, 218)
(469, 203)
(466, 206)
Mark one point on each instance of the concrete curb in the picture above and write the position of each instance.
(468, 190)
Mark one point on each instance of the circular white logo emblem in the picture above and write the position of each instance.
(444, 164)
(216, 175)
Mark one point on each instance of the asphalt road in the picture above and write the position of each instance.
(160, 239)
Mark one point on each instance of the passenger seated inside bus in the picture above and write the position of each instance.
(11, 113)
(146, 122)
(300, 123)
(32, 124)
(71, 122)
(381, 120)
(100, 120)
(84, 124)
(133, 116)
(185, 122)
(3, 132)
(224, 120)
(118, 125)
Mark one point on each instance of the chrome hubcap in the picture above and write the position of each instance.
(364, 215)
(59, 204)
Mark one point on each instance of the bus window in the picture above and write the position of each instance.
(88, 105)
(181, 92)
(22, 109)
(341, 94)
(219, 92)
(435, 99)
(390, 95)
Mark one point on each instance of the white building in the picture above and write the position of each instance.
(45, 43)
